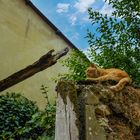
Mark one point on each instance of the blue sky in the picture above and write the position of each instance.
(70, 16)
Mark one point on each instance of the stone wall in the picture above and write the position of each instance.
(101, 114)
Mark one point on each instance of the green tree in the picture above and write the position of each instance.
(114, 42)
(117, 43)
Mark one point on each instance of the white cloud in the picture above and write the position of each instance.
(106, 9)
(85, 18)
(73, 19)
(62, 7)
(83, 5)
(75, 36)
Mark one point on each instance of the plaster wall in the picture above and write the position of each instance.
(25, 37)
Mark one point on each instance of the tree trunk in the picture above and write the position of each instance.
(43, 63)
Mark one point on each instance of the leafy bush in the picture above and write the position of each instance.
(77, 64)
(15, 111)
(20, 118)
(40, 125)
(50, 111)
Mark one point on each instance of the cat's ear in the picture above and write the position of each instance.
(93, 65)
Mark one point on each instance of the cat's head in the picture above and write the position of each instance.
(92, 71)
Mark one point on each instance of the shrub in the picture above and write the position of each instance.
(20, 118)
(77, 63)
(15, 111)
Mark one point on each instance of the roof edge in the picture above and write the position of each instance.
(57, 31)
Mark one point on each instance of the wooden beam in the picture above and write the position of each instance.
(66, 126)
(43, 63)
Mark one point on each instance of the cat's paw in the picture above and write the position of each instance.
(113, 88)
(89, 79)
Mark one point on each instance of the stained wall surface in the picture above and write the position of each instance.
(25, 37)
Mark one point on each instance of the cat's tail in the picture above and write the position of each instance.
(121, 84)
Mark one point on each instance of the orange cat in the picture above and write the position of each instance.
(95, 73)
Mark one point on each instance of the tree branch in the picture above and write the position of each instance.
(43, 63)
